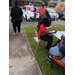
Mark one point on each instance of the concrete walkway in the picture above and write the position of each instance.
(21, 57)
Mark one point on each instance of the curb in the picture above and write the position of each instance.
(9, 20)
(33, 53)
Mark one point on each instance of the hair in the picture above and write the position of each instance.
(45, 21)
(15, 2)
(47, 13)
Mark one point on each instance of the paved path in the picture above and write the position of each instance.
(21, 57)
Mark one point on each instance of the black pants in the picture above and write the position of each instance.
(34, 17)
(16, 24)
(47, 38)
(39, 19)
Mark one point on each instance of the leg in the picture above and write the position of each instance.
(54, 51)
(18, 26)
(47, 38)
(34, 17)
(14, 27)
(50, 40)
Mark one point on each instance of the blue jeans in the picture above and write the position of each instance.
(55, 51)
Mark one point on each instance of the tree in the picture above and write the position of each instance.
(45, 1)
(58, 2)
(10, 2)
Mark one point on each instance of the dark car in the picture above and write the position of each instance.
(61, 14)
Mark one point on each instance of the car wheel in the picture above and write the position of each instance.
(26, 18)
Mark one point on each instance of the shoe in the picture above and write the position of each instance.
(48, 58)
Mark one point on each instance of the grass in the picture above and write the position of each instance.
(41, 53)
(10, 66)
(9, 16)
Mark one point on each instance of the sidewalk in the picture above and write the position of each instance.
(21, 57)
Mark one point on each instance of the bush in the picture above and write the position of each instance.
(52, 6)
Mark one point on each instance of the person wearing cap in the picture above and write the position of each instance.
(42, 11)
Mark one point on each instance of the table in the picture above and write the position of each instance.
(59, 34)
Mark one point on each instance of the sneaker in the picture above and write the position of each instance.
(48, 58)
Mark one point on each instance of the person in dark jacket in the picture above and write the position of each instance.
(16, 13)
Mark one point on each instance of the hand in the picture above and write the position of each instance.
(62, 37)
(55, 32)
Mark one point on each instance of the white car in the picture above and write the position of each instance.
(28, 12)
(53, 14)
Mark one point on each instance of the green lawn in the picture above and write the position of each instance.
(9, 16)
(41, 53)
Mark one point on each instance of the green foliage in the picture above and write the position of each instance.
(63, 0)
(45, 1)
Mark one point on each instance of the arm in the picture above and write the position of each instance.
(62, 37)
(49, 32)
(60, 57)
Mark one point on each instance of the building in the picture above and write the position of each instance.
(26, 2)
(52, 2)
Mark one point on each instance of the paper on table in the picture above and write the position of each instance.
(51, 31)
(59, 34)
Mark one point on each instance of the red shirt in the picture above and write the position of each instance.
(42, 28)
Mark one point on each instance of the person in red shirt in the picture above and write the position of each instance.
(43, 33)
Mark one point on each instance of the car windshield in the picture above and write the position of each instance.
(31, 8)
(51, 11)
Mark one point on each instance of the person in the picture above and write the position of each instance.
(41, 11)
(58, 50)
(45, 15)
(35, 12)
(16, 13)
(43, 33)
(60, 8)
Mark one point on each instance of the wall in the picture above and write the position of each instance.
(26, 3)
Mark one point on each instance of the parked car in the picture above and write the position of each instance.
(53, 14)
(61, 14)
(28, 12)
